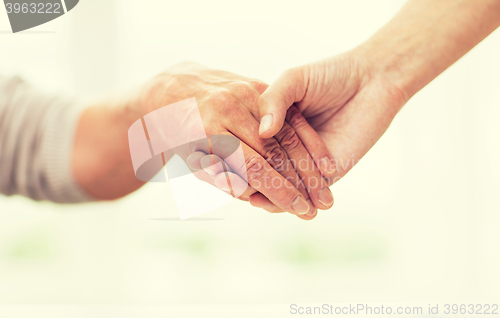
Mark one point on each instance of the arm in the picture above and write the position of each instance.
(101, 161)
(228, 105)
(53, 149)
(428, 36)
(352, 98)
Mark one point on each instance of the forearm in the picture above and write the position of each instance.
(426, 37)
(102, 162)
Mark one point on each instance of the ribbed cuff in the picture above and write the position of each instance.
(57, 153)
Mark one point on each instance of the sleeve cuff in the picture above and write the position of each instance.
(57, 151)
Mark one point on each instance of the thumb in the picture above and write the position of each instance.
(289, 88)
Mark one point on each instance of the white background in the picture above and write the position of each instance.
(416, 221)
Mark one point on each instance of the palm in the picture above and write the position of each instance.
(349, 109)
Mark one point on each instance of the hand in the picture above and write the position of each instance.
(215, 166)
(343, 99)
(228, 105)
(351, 99)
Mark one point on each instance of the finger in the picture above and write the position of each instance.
(236, 184)
(275, 101)
(213, 165)
(273, 153)
(194, 160)
(207, 167)
(260, 201)
(224, 178)
(265, 179)
(309, 216)
(218, 170)
(315, 146)
(222, 175)
(253, 168)
(225, 146)
(258, 85)
(195, 167)
(313, 181)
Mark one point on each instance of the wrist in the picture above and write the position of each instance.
(420, 43)
(101, 160)
(390, 65)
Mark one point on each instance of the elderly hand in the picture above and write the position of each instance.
(280, 169)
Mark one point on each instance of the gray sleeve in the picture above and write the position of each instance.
(36, 140)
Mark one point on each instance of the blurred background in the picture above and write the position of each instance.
(415, 221)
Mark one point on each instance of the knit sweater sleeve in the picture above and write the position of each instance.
(36, 141)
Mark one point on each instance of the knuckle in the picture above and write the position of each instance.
(246, 92)
(241, 86)
(275, 155)
(222, 98)
(255, 166)
(289, 139)
(259, 85)
(295, 118)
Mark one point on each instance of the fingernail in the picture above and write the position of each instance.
(214, 169)
(312, 211)
(220, 182)
(300, 206)
(266, 123)
(327, 165)
(325, 197)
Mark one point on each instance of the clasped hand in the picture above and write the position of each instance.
(285, 172)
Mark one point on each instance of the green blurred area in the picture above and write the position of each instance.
(348, 250)
(32, 245)
(300, 251)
